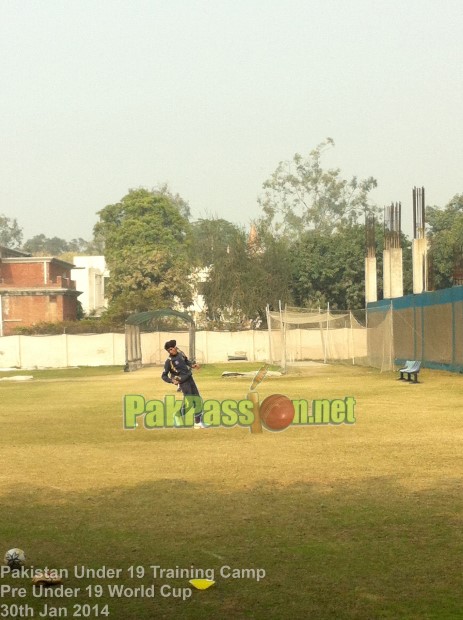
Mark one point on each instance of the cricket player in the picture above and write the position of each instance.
(178, 370)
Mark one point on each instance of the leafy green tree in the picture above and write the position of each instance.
(301, 195)
(11, 233)
(445, 233)
(146, 250)
(244, 277)
(40, 245)
(80, 246)
(181, 204)
(210, 238)
(223, 289)
(330, 268)
(273, 257)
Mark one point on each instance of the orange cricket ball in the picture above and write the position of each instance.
(277, 412)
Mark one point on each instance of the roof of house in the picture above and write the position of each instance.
(10, 253)
(27, 258)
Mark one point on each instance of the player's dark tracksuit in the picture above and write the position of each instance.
(179, 366)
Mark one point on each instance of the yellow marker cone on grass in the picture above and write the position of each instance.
(202, 584)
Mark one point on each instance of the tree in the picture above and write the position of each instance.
(300, 195)
(210, 238)
(40, 245)
(273, 257)
(445, 234)
(10, 232)
(244, 277)
(330, 268)
(145, 245)
(181, 204)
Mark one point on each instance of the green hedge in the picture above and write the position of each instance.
(85, 326)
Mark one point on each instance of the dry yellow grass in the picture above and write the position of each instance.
(349, 521)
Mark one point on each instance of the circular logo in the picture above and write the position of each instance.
(277, 412)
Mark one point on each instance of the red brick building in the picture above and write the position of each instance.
(34, 289)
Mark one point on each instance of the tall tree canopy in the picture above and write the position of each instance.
(301, 195)
(210, 238)
(40, 245)
(329, 268)
(245, 275)
(145, 245)
(445, 232)
(10, 232)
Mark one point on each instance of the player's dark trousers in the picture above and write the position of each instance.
(189, 388)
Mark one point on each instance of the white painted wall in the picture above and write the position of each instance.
(89, 276)
(65, 350)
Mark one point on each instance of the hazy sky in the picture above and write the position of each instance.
(99, 96)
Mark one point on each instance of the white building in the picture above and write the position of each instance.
(197, 278)
(91, 275)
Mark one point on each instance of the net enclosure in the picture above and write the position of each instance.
(324, 335)
(427, 327)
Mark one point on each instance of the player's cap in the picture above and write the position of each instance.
(169, 344)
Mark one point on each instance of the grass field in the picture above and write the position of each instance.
(349, 521)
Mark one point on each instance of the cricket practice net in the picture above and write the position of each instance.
(324, 335)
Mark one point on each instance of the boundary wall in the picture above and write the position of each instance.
(65, 350)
